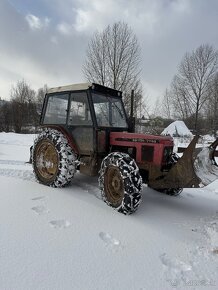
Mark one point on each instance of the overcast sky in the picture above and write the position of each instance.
(45, 41)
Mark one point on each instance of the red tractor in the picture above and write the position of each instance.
(85, 128)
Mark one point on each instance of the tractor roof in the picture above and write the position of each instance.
(75, 87)
(86, 86)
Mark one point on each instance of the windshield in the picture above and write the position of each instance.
(109, 111)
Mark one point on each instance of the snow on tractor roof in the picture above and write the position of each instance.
(75, 87)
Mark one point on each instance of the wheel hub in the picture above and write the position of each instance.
(47, 159)
(116, 183)
(114, 188)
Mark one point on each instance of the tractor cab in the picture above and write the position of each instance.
(87, 113)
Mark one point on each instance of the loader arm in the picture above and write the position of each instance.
(192, 169)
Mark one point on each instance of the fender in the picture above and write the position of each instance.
(66, 134)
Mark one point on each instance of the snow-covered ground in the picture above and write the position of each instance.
(69, 239)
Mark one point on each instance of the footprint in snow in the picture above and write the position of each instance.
(215, 251)
(40, 209)
(58, 224)
(109, 240)
(176, 270)
(190, 195)
(38, 198)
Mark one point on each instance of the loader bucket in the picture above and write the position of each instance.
(193, 169)
(205, 164)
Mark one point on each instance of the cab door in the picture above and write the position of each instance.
(80, 122)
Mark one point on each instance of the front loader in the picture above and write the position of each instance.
(85, 128)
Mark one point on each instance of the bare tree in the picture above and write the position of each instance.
(6, 116)
(157, 111)
(167, 104)
(179, 100)
(22, 102)
(113, 58)
(41, 95)
(212, 107)
(191, 86)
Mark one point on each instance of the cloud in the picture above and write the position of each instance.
(65, 28)
(35, 23)
(45, 41)
(181, 6)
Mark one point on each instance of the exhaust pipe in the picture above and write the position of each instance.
(132, 118)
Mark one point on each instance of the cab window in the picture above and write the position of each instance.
(56, 110)
(79, 112)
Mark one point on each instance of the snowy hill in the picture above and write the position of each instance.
(66, 239)
(177, 129)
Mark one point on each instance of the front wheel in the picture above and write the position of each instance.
(120, 182)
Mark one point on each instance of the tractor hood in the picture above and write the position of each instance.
(117, 138)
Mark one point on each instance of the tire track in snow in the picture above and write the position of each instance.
(12, 162)
(16, 173)
(29, 175)
(24, 174)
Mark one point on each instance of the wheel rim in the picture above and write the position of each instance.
(47, 159)
(114, 187)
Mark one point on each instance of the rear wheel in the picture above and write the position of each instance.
(120, 182)
(53, 159)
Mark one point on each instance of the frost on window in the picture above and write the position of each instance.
(56, 111)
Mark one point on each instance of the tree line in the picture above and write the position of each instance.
(193, 93)
(21, 113)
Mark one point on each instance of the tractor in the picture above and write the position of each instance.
(85, 128)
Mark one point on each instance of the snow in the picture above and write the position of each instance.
(177, 128)
(204, 167)
(69, 239)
